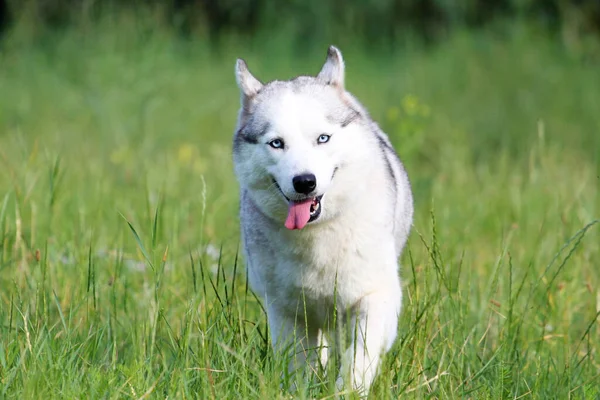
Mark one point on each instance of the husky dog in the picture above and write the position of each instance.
(326, 208)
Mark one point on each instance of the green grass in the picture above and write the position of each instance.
(119, 268)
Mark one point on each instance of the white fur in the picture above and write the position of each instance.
(349, 255)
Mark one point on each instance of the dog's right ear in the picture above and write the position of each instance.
(247, 83)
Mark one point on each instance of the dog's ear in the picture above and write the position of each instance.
(332, 72)
(247, 83)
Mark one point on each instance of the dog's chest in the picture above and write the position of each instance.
(329, 267)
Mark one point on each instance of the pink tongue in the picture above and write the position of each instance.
(298, 214)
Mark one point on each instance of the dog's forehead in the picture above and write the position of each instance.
(302, 100)
(289, 106)
(296, 91)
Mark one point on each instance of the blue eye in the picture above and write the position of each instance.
(323, 138)
(276, 143)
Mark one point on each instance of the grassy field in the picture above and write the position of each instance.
(119, 268)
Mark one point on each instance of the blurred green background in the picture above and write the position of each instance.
(119, 267)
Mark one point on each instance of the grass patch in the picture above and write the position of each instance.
(119, 262)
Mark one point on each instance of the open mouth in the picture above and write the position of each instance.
(315, 208)
(301, 212)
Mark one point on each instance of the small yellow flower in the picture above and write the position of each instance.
(185, 153)
(410, 104)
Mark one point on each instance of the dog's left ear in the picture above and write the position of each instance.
(332, 72)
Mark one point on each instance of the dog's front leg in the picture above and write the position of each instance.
(292, 339)
(374, 327)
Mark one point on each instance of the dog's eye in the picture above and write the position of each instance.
(323, 138)
(276, 143)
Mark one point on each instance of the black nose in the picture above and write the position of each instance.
(304, 183)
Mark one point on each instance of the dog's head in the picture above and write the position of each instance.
(293, 141)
